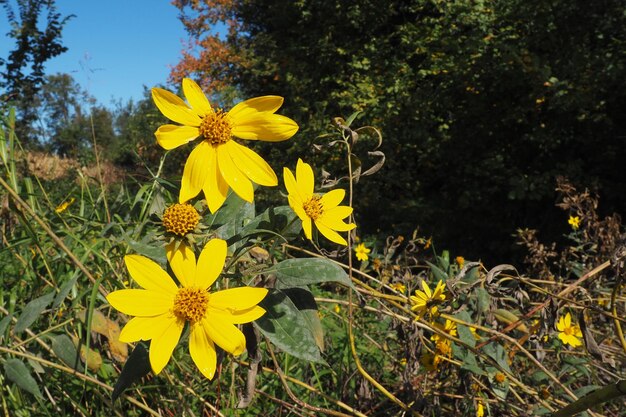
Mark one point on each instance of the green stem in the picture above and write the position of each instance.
(594, 398)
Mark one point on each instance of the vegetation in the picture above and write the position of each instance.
(450, 128)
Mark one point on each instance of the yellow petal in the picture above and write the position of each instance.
(568, 320)
(334, 223)
(174, 108)
(225, 335)
(173, 136)
(210, 263)
(195, 97)
(307, 226)
(253, 106)
(183, 263)
(234, 299)
(330, 234)
(305, 178)
(297, 207)
(215, 188)
(242, 316)
(144, 303)
(338, 212)
(236, 179)
(140, 328)
(149, 274)
(196, 172)
(333, 198)
(251, 164)
(202, 351)
(264, 126)
(292, 187)
(163, 344)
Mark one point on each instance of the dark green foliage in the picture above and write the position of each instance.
(481, 105)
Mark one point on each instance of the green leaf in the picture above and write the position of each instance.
(281, 220)
(18, 372)
(32, 311)
(304, 301)
(439, 274)
(466, 336)
(136, 367)
(64, 348)
(304, 271)
(482, 300)
(285, 326)
(3, 325)
(64, 291)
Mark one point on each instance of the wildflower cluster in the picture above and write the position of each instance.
(164, 306)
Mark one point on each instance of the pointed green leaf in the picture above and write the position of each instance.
(438, 273)
(136, 367)
(305, 271)
(32, 311)
(284, 325)
(64, 348)
(18, 372)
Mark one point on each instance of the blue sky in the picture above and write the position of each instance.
(115, 47)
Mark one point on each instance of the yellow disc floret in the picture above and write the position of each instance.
(180, 219)
(190, 304)
(313, 207)
(216, 128)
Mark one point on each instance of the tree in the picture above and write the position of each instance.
(481, 104)
(23, 72)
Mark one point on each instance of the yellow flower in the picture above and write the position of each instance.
(218, 162)
(448, 328)
(574, 221)
(426, 301)
(480, 410)
(161, 308)
(180, 219)
(63, 206)
(569, 334)
(361, 252)
(398, 286)
(324, 210)
(460, 261)
(337, 308)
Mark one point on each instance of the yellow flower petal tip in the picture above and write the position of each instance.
(218, 162)
(161, 308)
(322, 210)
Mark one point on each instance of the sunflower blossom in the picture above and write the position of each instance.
(569, 334)
(161, 308)
(427, 300)
(218, 162)
(361, 252)
(323, 210)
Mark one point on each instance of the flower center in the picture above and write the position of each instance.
(216, 128)
(568, 331)
(313, 207)
(180, 218)
(190, 304)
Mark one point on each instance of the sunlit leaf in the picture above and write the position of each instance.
(300, 272)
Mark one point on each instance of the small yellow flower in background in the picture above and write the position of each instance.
(376, 264)
(161, 308)
(63, 206)
(218, 162)
(324, 210)
(500, 377)
(569, 334)
(337, 308)
(180, 219)
(427, 300)
(448, 328)
(574, 221)
(398, 286)
(460, 261)
(403, 361)
(361, 252)
(428, 243)
(474, 333)
(480, 410)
